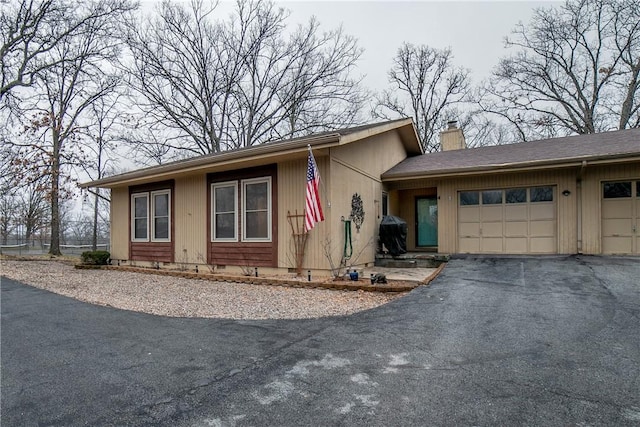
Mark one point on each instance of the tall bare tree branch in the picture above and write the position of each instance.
(426, 86)
(575, 69)
(223, 84)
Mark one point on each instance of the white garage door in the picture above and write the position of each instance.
(509, 221)
(620, 217)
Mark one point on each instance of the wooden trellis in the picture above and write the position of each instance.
(296, 221)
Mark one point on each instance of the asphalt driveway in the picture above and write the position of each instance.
(532, 341)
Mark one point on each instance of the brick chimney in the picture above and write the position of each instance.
(452, 138)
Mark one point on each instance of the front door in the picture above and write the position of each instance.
(427, 221)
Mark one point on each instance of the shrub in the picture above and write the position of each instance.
(95, 257)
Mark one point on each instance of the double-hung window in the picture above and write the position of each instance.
(224, 199)
(241, 210)
(151, 216)
(140, 217)
(256, 210)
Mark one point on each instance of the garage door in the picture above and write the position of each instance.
(510, 221)
(620, 217)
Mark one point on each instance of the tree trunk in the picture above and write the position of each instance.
(54, 249)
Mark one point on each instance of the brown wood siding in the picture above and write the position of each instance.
(254, 254)
(243, 254)
(153, 251)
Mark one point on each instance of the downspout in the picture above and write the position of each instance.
(579, 204)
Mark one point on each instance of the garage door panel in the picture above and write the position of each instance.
(491, 245)
(516, 245)
(620, 208)
(469, 214)
(543, 245)
(617, 245)
(470, 245)
(540, 211)
(492, 229)
(617, 227)
(542, 228)
(516, 229)
(469, 229)
(491, 213)
(515, 212)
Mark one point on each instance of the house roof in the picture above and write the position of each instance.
(570, 150)
(265, 153)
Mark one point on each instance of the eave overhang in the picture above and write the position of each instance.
(260, 154)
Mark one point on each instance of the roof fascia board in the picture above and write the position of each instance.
(409, 138)
(345, 139)
(506, 168)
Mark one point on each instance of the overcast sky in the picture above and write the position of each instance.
(474, 30)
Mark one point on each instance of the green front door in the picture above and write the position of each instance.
(427, 221)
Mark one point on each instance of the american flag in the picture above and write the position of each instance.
(313, 211)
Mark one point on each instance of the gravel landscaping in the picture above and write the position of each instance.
(178, 297)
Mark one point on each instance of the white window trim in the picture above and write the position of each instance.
(133, 217)
(244, 182)
(152, 215)
(233, 184)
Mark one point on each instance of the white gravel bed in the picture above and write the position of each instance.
(178, 297)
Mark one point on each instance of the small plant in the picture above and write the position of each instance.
(247, 270)
(203, 260)
(95, 257)
(183, 262)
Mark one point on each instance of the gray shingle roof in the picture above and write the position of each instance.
(604, 145)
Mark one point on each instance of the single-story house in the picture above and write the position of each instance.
(237, 209)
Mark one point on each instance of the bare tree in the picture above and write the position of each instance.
(426, 86)
(31, 29)
(8, 214)
(218, 85)
(33, 208)
(63, 93)
(576, 69)
(104, 117)
(148, 142)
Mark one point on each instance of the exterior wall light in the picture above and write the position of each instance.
(566, 193)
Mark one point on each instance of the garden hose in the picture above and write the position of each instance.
(348, 244)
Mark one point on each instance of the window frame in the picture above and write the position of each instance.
(616, 196)
(243, 213)
(482, 197)
(384, 202)
(517, 202)
(152, 215)
(462, 201)
(132, 224)
(223, 184)
(553, 194)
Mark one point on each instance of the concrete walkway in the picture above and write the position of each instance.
(404, 274)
